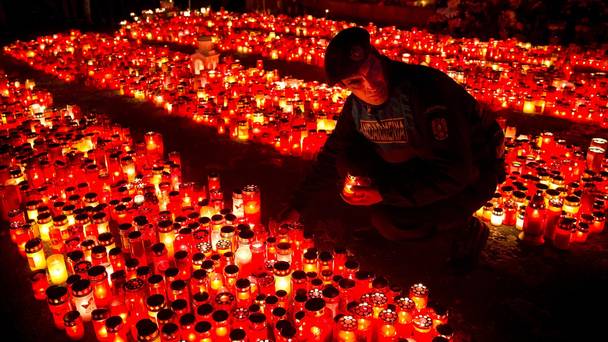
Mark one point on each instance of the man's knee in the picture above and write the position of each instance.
(398, 228)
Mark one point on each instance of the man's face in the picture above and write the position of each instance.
(369, 84)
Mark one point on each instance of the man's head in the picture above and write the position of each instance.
(352, 62)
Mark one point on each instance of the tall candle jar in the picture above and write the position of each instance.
(35, 254)
(59, 304)
(82, 296)
(74, 328)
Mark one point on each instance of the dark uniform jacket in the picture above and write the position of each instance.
(428, 142)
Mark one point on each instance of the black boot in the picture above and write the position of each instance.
(467, 247)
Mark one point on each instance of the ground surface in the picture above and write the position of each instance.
(516, 293)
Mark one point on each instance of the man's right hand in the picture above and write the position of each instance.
(287, 215)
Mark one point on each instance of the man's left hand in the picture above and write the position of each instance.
(363, 196)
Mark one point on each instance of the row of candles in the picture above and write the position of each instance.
(501, 73)
(118, 242)
(248, 104)
(554, 192)
(124, 68)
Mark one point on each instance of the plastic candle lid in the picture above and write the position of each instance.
(243, 283)
(171, 329)
(202, 327)
(237, 334)
(70, 317)
(314, 304)
(56, 294)
(155, 300)
(179, 305)
(113, 322)
(186, 319)
(220, 315)
(146, 329)
(81, 287)
(257, 317)
(204, 309)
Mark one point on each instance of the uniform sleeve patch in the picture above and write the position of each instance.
(440, 128)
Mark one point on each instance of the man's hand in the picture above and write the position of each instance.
(287, 215)
(363, 196)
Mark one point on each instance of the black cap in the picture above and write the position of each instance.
(345, 53)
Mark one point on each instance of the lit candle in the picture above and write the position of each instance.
(534, 221)
(155, 303)
(59, 304)
(310, 261)
(39, 282)
(387, 331)
(35, 254)
(405, 315)
(213, 182)
(595, 158)
(74, 327)
(220, 318)
(115, 329)
(160, 259)
(243, 292)
(364, 313)
(215, 281)
(423, 325)
(128, 168)
(488, 210)
(170, 332)
(202, 331)
(100, 220)
(243, 254)
(154, 145)
(284, 252)
(581, 233)
(147, 330)
(521, 215)
(252, 205)
(420, 295)
(282, 276)
(101, 287)
(99, 317)
(32, 209)
(555, 204)
(572, 205)
(82, 295)
(563, 233)
(498, 216)
(45, 224)
(231, 273)
(57, 269)
(346, 329)
(243, 130)
(166, 235)
(316, 325)
(599, 221)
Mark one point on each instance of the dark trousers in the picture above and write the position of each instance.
(399, 223)
(396, 223)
